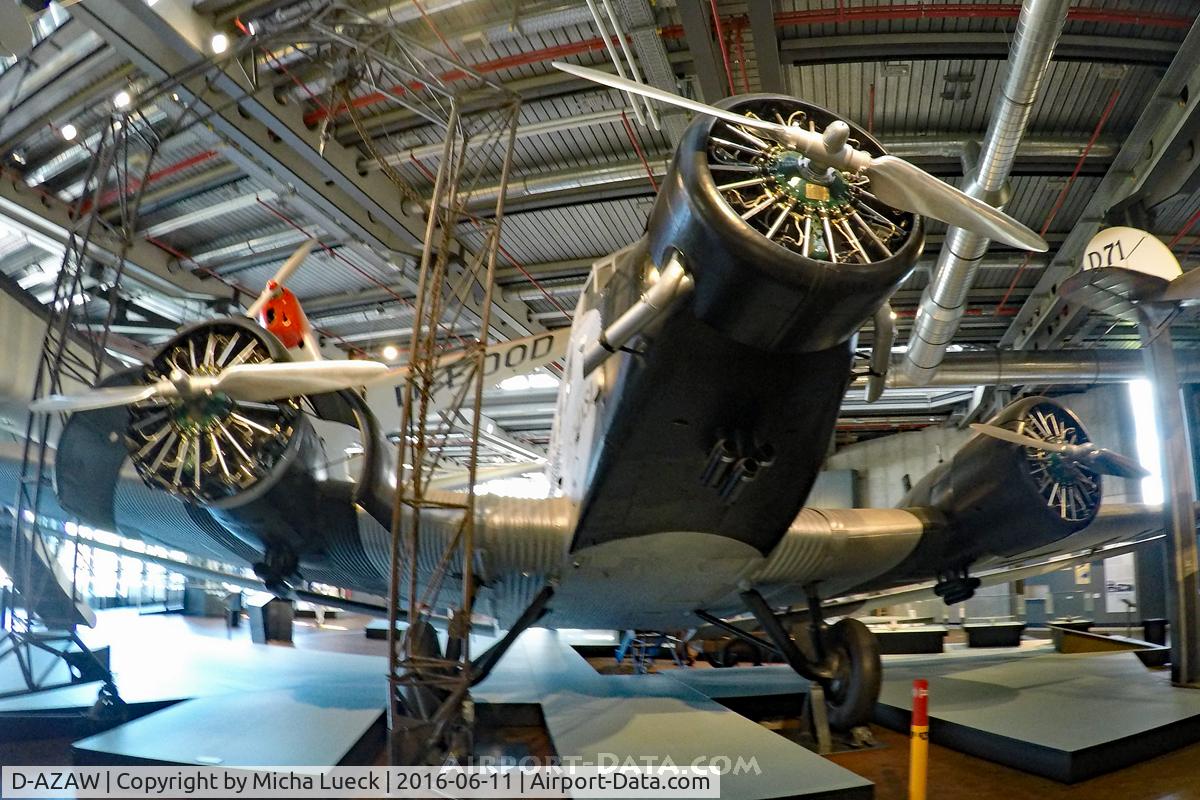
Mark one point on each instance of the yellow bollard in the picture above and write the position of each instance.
(918, 753)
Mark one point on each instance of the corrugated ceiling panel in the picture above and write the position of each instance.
(582, 231)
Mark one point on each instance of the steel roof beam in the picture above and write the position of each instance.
(47, 221)
(1041, 319)
(271, 140)
(707, 64)
(971, 45)
(766, 46)
(167, 43)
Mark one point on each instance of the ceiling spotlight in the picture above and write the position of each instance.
(219, 43)
(391, 352)
(122, 99)
(68, 132)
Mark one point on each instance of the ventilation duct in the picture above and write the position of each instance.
(945, 298)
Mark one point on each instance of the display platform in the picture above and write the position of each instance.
(1068, 717)
(904, 639)
(233, 703)
(190, 698)
(641, 717)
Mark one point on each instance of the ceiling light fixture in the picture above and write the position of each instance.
(68, 132)
(219, 43)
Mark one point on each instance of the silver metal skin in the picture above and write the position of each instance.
(1184, 608)
(945, 298)
(885, 336)
(672, 284)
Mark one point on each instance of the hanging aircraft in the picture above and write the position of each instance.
(703, 377)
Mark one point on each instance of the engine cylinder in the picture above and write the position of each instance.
(215, 450)
(785, 254)
(1000, 499)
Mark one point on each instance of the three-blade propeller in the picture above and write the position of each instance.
(894, 181)
(1098, 459)
(281, 277)
(258, 383)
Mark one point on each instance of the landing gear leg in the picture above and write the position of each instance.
(843, 658)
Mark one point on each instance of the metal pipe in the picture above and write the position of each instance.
(636, 102)
(534, 129)
(939, 145)
(944, 299)
(534, 185)
(672, 284)
(1040, 367)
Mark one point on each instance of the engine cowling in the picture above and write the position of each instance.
(252, 466)
(1000, 499)
(784, 255)
(212, 450)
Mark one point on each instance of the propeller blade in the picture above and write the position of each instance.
(281, 276)
(1107, 462)
(1004, 434)
(265, 383)
(101, 398)
(906, 186)
(1100, 459)
(1185, 287)
(670, 98)
(894, 181)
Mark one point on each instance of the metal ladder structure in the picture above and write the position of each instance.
(40, 614)
(430, 712)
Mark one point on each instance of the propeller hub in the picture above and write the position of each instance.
(795, 175)
(200, 413)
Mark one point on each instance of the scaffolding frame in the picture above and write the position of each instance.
(104, 221)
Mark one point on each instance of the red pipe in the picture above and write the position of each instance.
(638, 149)
(721, 41)
(132, 186)
(799, 18)
(909, 313)
(901, 11)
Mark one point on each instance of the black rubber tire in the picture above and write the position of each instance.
(858, 674)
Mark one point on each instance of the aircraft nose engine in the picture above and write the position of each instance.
(785, 254)
(211, 449)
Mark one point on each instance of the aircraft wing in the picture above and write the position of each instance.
(912, 593)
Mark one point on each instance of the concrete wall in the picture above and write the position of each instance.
(881, 464)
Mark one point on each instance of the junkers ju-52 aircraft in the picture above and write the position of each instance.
(703, 377)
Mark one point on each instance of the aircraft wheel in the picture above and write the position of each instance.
(857, 673)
